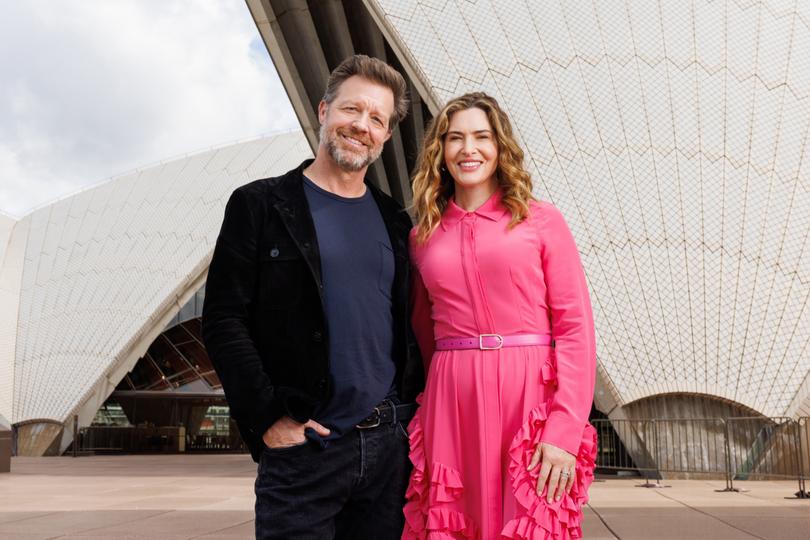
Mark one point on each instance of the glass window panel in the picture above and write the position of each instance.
(196, 355)
(170, 361)
(194, 327)
(145, 375)
(177, 334)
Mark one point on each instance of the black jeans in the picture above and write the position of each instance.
(353, 489)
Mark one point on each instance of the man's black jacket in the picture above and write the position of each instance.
(263, 319)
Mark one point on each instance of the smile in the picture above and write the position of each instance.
(469, 165)
(354, 142)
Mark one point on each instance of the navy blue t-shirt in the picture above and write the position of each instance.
(357, 265)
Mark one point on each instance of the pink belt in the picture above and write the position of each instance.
(489, 342)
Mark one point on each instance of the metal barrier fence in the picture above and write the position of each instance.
(136, 439)
(95, 439)
(215, 443)
(731, 448)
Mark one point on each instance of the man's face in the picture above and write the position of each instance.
(354, 126)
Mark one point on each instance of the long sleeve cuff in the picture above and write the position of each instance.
(561, 432)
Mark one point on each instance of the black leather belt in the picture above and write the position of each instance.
(388, 413)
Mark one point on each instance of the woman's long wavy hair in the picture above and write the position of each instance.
(432, 184)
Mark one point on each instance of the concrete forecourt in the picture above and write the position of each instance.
(211, 497)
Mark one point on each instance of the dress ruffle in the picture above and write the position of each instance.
(429, 517)
(425, 516)
(560, 520)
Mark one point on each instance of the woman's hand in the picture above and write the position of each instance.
(557, 466)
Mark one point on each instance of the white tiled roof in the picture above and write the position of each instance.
(672, 136)
(9, 300)
(100, 268)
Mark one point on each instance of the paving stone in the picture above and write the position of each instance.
(74, 522)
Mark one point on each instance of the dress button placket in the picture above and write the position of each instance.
(468, 224)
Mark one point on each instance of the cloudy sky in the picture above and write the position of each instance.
(90, 89)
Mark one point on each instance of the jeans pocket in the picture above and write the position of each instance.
(283, 450)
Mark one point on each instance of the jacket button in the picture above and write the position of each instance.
(317, 337)
(321, 384)
(306, 245)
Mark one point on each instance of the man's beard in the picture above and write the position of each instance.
(347, 160)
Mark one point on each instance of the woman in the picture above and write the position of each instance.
(501, 446)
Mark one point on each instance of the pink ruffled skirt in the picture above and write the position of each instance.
(481, 417)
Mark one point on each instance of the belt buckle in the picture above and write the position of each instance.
(481, 342)
(376, 423)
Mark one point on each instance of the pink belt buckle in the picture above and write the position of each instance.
(497, 346)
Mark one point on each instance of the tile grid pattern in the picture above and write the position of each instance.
(101, 266)
(672, 136)
(9, 299)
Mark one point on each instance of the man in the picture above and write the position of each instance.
(306, 321)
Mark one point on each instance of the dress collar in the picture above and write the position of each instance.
(493, 210)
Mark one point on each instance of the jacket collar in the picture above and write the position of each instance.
(293, 209)
(493, 210)
(291, 189)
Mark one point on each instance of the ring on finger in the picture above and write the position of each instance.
(565, 474)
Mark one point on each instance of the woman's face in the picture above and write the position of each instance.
(470, 149)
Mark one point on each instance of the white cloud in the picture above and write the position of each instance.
(91, 89)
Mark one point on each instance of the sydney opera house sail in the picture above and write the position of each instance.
(673, 137)
(90, 281)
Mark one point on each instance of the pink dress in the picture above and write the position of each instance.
(483, 412)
